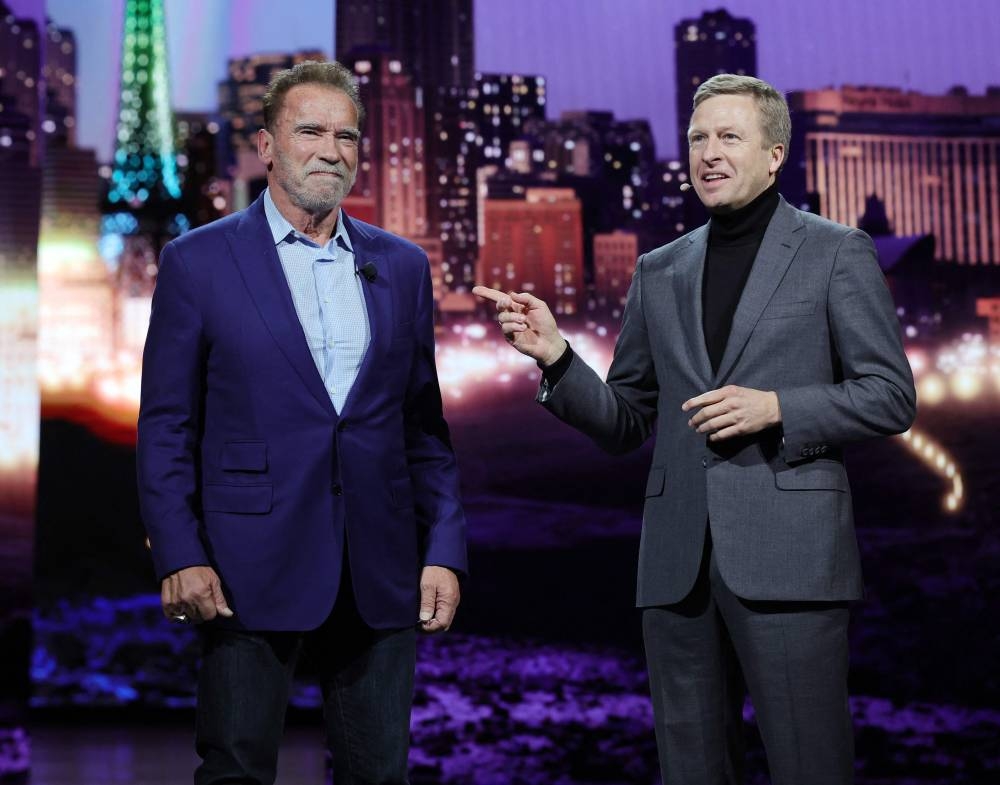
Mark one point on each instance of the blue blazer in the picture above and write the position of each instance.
(243, 463)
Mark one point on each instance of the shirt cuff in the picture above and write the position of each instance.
(553, 373)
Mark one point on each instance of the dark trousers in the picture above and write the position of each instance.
(704, 652)
(366, 679)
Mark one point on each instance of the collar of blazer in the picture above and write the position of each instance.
(784, 235)
(256, 257)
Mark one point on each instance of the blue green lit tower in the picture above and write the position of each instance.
(143, 208)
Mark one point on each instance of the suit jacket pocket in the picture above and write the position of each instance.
(655, 482)
(246, 499)
(246, 456)
(782, 310)
(817, 475)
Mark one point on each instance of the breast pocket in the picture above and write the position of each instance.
(785, 310)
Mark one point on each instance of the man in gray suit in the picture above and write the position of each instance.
(758, 346)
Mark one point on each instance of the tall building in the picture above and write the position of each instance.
(610, 163)
(505, 103)
(20, 75)
(714, 43)
(453, 157)
(615, 255)
(933, 161)
(534, 243)
(434, 42)
(434, 39)
(391, 171)
(204, 194)
(59, 77)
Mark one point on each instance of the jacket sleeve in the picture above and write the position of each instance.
(429, 454)
(875, 395)
(169, 415)
(618, 414)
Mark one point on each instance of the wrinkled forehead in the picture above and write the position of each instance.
(315, 102)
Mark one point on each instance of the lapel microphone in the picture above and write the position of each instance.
(369, 271)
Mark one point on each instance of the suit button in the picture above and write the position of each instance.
(704, 463)
(338, 489)
(342, 427)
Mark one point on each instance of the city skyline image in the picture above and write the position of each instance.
(527, 146)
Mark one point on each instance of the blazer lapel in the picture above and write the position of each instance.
(378, 300)
(782, 239)
(688, 268)
(257, 259)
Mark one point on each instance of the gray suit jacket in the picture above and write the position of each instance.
(816, 324)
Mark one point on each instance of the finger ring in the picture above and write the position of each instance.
(180, 618)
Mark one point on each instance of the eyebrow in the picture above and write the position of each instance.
(722, 130)
(320, 127)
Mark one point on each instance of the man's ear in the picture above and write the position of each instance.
(777, 158)
(265, 146)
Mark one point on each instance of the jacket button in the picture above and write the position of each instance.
(338, 489)
(704, 463)
(342, 427)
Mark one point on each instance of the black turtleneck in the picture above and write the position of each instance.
(733, 241)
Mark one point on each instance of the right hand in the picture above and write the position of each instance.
(527, 324)
(196, 592)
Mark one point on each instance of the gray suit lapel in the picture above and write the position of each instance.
(782, 239)
(687, 277)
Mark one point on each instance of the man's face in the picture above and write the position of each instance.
(312, 156)
(730, 161)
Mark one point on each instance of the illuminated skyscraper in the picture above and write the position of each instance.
(615, 255)
(535, 244)
(714, 43)
(435, 43)
(59, 76)
(20, 73)
(434, 39)
(505, 103)
(934, 161)
(391, 171)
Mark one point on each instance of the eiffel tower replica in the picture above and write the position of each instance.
(143, 208)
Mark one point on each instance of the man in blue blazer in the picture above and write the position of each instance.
(295, 472)
(756, 347)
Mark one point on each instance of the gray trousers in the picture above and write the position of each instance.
(704, 652)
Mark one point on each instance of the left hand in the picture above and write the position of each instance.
(733, 411)
(439, 597)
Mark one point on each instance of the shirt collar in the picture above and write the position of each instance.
(281, 227)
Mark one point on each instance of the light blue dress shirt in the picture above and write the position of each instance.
(328, 298)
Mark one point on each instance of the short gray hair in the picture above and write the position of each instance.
(775, 122)
(330, 74)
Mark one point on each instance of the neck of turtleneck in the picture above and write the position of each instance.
(746, 225)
